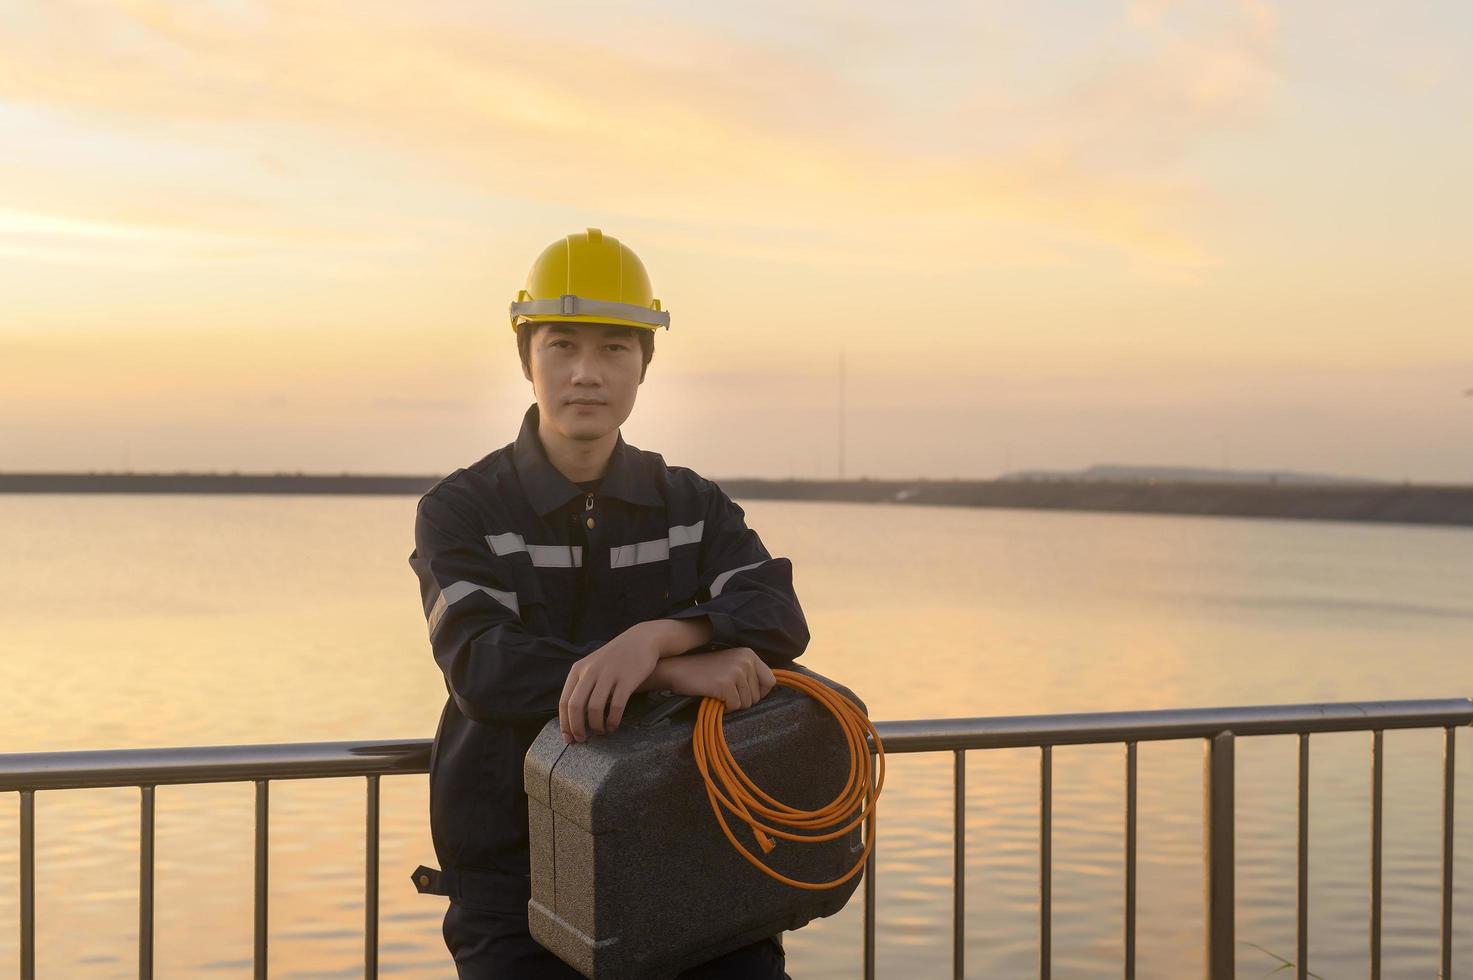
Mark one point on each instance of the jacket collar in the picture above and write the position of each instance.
(627, 477)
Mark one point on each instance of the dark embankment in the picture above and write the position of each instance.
(1398, 504)
(287, 483)
(1382, 503)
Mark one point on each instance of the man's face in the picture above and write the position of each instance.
(585, 377)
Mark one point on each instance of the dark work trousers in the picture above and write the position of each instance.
(496, 946)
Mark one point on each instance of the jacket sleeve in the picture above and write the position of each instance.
(745, 593)
(496, 671)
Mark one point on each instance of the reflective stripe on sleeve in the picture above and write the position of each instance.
(452, 594)
(724, 577)
(506, 544)
(644, 552)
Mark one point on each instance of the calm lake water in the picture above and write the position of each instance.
(139, 621)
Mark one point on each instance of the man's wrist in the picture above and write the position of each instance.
(677, 636)
(661, 678)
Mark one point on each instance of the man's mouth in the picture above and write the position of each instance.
(584, 401)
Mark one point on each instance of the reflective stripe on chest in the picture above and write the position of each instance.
(620, 556)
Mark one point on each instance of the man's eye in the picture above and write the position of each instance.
(561, 344)
(615, 347)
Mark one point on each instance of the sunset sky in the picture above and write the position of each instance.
(283, 236)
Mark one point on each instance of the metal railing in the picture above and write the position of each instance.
(1218, 728)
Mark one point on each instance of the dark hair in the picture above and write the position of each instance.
(645, 337)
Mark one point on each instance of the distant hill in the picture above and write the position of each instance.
(1119, 473)
(1218, 493)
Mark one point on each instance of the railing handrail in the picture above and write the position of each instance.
(318, 760)
(1109, 727)
(31, 772)
(212, 764)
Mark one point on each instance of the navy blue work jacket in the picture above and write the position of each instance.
(522, 574)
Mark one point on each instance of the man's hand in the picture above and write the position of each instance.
(599, 686)
(736, 676)
(603, 681)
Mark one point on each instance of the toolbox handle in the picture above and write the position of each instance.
(667, 705)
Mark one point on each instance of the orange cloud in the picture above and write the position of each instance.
(670, 124)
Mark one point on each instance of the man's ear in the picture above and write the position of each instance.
(526, 334)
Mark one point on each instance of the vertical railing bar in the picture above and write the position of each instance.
(28, 884)
(1217, 839)
(1046, 863)
(869, 901)
(263, 816)
(1450, 743)
(1301, 966)
(370, 897)
(1130, 814)
(959, 866)
(1377, 764)
(145, 882)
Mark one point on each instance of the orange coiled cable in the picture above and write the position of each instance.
(729, 787)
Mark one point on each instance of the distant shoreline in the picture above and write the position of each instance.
(1377, 503)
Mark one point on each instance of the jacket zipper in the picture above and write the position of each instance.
(580, 599)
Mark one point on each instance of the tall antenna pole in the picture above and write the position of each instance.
(841, 412)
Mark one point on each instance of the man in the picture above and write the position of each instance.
(565, 572)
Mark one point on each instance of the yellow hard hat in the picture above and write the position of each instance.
(589, 278)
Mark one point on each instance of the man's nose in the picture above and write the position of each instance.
(585, 370)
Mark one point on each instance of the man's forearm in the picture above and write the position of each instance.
(677, 636)
(674, 637)
(659, 678)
